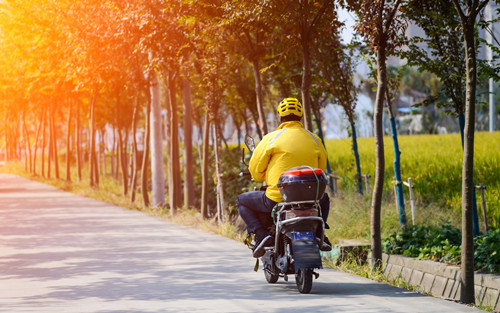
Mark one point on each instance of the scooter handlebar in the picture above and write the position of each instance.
(244, 174)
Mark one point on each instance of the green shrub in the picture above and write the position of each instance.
(443, 244)
(425, 242)
(487, 251)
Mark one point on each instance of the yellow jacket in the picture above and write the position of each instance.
(288, 146)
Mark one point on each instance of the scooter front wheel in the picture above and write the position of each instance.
(304, 280)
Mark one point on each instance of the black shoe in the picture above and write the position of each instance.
(260, 244)
(327, 245)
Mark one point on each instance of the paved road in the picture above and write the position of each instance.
(64, 253)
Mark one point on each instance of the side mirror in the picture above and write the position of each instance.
(249, 142)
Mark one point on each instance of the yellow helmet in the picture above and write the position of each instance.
(289, 106)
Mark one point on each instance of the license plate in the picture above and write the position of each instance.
(303, 235)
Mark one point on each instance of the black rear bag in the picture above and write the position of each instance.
(302, 183)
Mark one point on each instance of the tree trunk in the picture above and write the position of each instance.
(467, 290)
(255, 117)
(126, 157)
(101, 161)
(220, 131)
(68, 142)
(378, 187)
(92, 156)
(114, 173)
(259, 98)
(37, 139)
(78, 142)
(44, 135)
(7, 127)
(135, 154)
(188, 145)
(475, 217)
(145, 156)
(25, 140)
(306, 84)
(28, 145)
(54, 143)
(123, 162)
(174, 173)
(157, 175)
(221, 205)
(6, 137)
(238, 131)
(50, 148)
(17, 138)
(204, 169)
(322, 137)
(96, 160)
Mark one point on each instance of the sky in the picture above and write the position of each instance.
(337, 126)
(348, 19)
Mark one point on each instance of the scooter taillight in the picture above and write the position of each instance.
(299, 213)
(303, 172)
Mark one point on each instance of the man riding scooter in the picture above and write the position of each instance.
(290, 145)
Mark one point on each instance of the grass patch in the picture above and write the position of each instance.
(350, 216)
(434, 162)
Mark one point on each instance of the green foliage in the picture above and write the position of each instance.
(233, 183)
(443, 244)
(487, 251)
(440, 51)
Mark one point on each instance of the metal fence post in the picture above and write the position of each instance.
(483, 202)
(367, 183)
(412, 201)
(335, 184)
(394, 183)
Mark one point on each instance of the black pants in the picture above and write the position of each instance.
(254, 203)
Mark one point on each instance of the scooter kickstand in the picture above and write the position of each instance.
(285, 277)
(316, 275)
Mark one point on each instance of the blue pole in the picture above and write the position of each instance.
(239, 139)
(475, 217)
(328, 167)
(397, 172)
(356, 157)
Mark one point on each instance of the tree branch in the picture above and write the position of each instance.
(459, 10)
(391, 15)
(317, 17)
(488, 29)
(481, 6)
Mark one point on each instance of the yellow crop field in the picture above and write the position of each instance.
(434, 162)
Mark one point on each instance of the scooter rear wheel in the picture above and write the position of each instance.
(270, 277)
(304, 280)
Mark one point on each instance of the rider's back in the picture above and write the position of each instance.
(289, 146)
